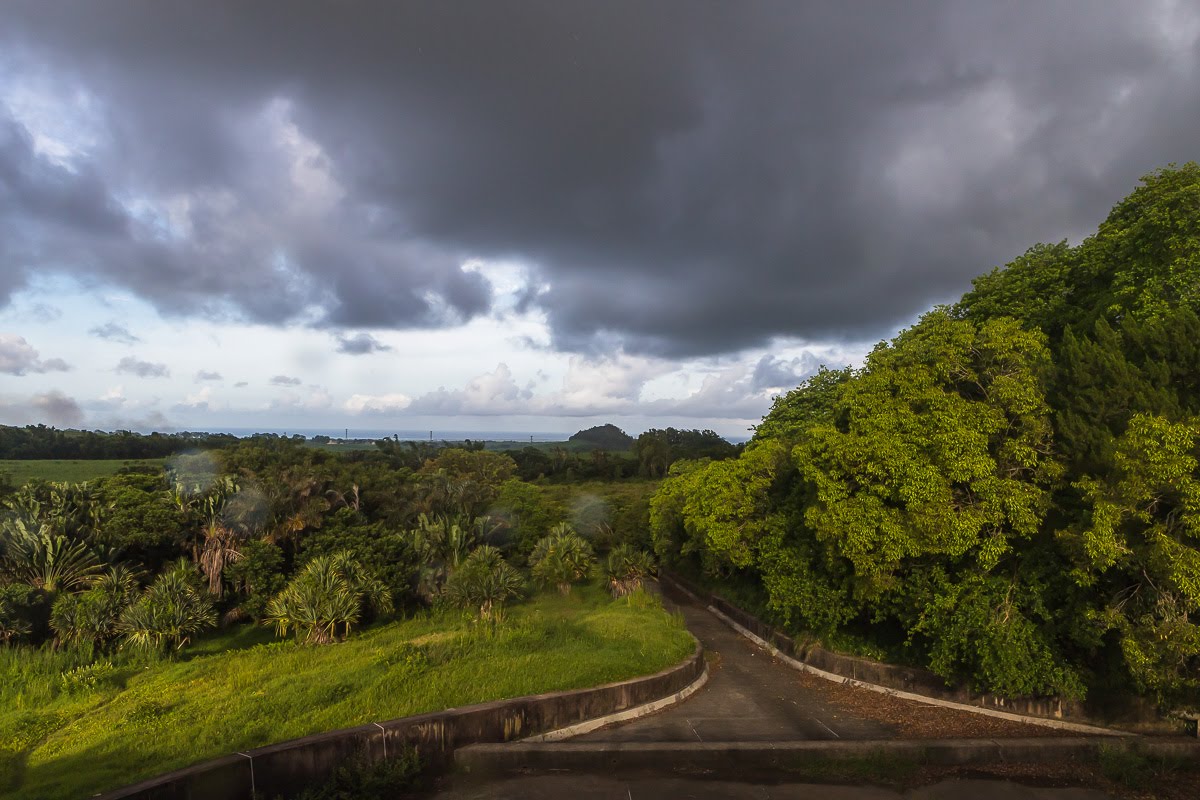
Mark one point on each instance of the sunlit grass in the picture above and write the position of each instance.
(71, 470)
(236, 691)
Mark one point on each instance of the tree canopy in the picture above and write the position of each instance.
(1007, 491)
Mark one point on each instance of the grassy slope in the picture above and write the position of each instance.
(234, 693)
(69, 470)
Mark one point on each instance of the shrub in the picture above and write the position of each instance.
(169, 613)
(92, 617)
(326, 599)
(483, 582)
(561, 559)
(626, 568)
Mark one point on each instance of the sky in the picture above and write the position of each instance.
(535, 215)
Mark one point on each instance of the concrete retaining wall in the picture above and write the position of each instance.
(1128, 713)
(772, 761)
(289, 767)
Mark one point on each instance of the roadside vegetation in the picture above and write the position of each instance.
(75, 728)
(1007, 492)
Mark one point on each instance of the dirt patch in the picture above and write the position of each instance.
(914, 720)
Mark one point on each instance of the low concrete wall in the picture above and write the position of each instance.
(289, 767)
(772, 761)
(1129, 713)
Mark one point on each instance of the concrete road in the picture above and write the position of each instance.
(750, 697)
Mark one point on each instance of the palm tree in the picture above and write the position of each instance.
(92, 617)
(484, 581)
(626, 569)
(169, 613)
(326, 599)
(45, 559)
(222, 546)
(561, 559)
(442, 543)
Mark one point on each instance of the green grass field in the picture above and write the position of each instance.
(73, 736)
(69, 470)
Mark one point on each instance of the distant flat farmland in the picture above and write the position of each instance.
(70, 470)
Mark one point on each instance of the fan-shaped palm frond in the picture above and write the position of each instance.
(169, 612)
(484, 581)
(561, 559)
(626, 569)
(326, 599)
(44, 559)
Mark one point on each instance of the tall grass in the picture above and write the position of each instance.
(72, 737)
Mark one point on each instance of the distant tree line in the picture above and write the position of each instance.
(310, 541)
(40, 441)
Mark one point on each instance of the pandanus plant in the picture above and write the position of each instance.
(561, 559)
(327, 598)
(484, 582)
(172, 610)
(626, 569)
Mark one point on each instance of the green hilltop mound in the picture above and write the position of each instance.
(604, 437)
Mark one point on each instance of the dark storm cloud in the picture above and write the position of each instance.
(686, 177)
(779, 373)
(361, 344)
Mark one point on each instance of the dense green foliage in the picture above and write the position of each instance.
(656, 450)
(1007, 492)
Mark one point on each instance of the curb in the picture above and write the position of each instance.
(622, 716)
(1076, 727)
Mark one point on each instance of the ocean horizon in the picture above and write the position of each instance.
(409, 435)
(373, 434)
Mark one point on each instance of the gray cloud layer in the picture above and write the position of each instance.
(18, 357)
(686, 177)
(361, 344)
(142, 369)
(114, 332)
(53, 407)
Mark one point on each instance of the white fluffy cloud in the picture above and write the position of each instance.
(377, 404)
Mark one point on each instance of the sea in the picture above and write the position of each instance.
(373, 434)
(436, 435)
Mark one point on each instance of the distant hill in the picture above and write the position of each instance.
(604, 437)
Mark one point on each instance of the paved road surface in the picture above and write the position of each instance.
(749, 697)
